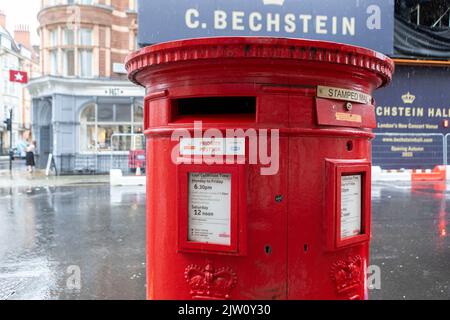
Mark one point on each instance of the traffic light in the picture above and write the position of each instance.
(8, 124)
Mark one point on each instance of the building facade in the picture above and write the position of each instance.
(16, 53)
(84, 108)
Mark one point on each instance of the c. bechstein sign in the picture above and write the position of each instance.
(367, 23)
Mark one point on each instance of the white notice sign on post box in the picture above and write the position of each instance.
(210, 208)
(351, 193)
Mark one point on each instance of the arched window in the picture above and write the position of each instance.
(99, 122)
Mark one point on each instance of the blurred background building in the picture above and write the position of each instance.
(83, 97)
(16, 53)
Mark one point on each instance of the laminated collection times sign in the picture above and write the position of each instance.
(351, 195)
(367, 23)
(210, 208)
(411, 115)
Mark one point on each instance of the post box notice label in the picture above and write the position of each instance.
(210, 208)
(351, 193)
(343, 94)
(212, 146)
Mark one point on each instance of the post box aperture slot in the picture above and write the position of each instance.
(210, 214)
(214, 109)
(348, 203)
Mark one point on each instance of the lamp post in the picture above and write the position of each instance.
(8, 123)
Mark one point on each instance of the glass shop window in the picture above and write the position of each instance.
(110, 127)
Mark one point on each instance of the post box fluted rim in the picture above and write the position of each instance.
(259, 47)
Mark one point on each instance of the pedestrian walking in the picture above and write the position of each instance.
(31, 149)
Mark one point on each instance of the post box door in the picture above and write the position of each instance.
(254, 251)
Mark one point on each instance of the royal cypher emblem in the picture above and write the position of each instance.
(210, 283)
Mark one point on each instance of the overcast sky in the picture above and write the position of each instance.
(22, 12)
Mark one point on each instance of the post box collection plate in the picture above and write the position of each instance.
(348, 203)
(210, 208)
(233, 229)
(334, 113)
(211, 217)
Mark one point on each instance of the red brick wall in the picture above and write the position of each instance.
(104, 18)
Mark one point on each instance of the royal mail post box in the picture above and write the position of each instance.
(259, 167)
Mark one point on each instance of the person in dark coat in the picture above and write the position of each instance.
(31, 149)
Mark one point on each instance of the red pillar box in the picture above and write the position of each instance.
(259, 157)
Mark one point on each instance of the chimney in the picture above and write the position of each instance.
(2, 19)
(22, 35)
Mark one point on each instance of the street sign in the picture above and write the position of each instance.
(358, 22)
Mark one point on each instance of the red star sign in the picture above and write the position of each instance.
(18, 76)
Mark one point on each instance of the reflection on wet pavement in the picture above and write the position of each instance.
(46, 230)
(54, 224)
(410, 241)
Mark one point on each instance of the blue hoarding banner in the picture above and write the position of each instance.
(411, 115)
(366, 23)
(408, 151)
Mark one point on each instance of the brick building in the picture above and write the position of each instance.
(84, 97)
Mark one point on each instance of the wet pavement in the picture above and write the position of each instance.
(51, 233)
(410, 240)
(17, 165)
(50, 228)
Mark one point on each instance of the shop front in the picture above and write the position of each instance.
(86, 125)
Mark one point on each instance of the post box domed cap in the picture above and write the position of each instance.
(259, 47)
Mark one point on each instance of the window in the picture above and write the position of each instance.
(123, 113)
(105, 141)
(69, 63)
(99, 123)
(54, 38)
(69, 37)
(133, 5)
(138, 114)
(54, 62)
(105, 113)
(69, 2)
(88, 137)
(88, 114)
(85, 37)
(85, 57)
